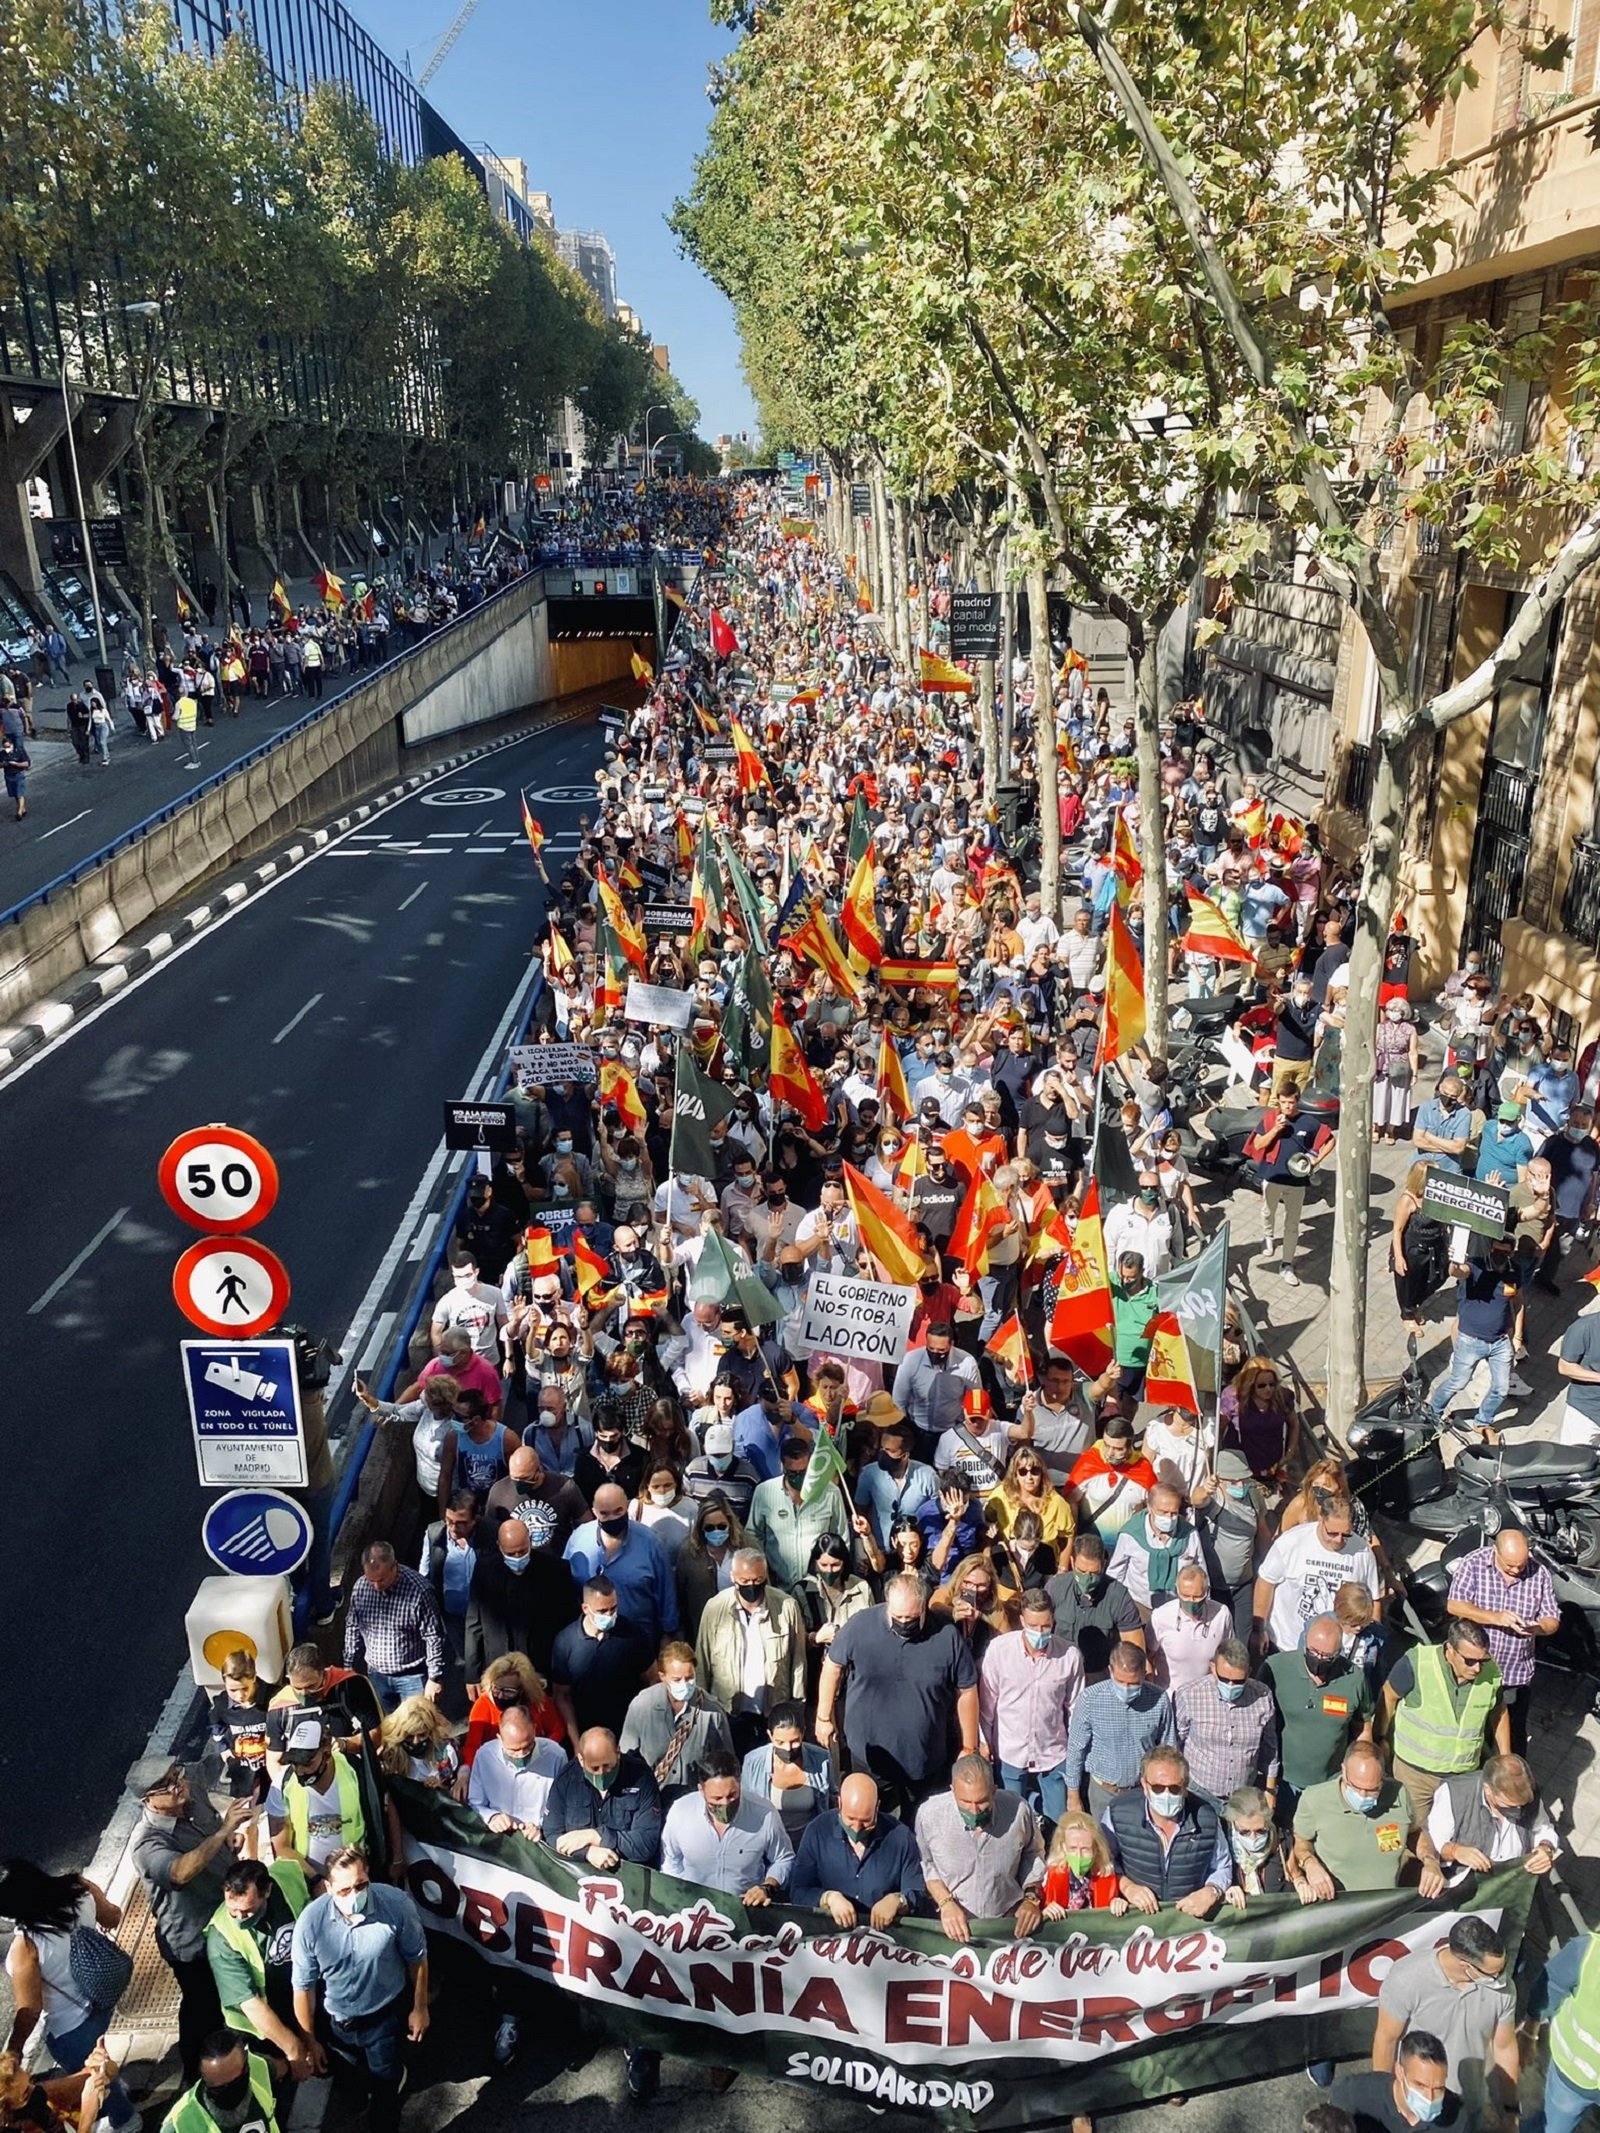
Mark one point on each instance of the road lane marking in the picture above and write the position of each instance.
(82, 1260)
(411, 899)
(60, 826)
(295, 1020)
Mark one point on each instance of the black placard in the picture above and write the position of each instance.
(974, 625)
(669, 918)
(861, 499)
(468, 1125)
(655, 875)
(612, 717)
(718, 752)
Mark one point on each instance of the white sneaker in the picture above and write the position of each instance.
(1267, 1256)
(505, 2041)
(1291, 1277)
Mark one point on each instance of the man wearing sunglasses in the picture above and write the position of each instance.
(1444, 1711)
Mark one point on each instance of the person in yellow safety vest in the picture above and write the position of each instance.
(1568, 1996)
(248, 1945)
(315, 1807)
(233, 2094)
(1444, 1712)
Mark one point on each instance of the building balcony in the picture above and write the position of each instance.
(1528, 200)
(1580, 907)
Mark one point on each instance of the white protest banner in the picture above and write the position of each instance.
(658, 1003)
(866, 1319)
(553, 1062)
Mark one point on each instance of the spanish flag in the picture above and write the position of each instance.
(630, 877)
(863, 596)
(591, 1269)
(628, 936)
(617, 1086)
(708, 725)
(1254, 822)
(1169, 1374)
(541, 1251)
(532, 831)
(1008, 1344)
(560, 953)
(1210, 933)
(790, 1080)
(643, 671)
(683, 838)
(1123, 1018)
(185, 611)
(1067, 755)
(983, 1214)
(938, 676)
(330, 589)
(752, 771)
(858, 916)
(908, 972)
(894, 1098)
(676, 595)
(1081, 1323)
(885, 1231)
(1124, 856)
(280, 600)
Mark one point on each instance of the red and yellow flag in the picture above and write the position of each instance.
(676, 595)
(630, 877)
(858, 916)
(683, 839)
(591, 1269)
(1068, 757)
(1124, 857)
(1169, 1374)
(907, 972)
(983, 1214)
(541, 1250)
(752, 771)
(1008, 1344)
(723, 642)
(815, 939)
(560, 953)
(885, 1231)
(330, 589)
(531, 829)
(617, 1086)
(1122, 1021)
(894, 1097)
(280, 600)
(938, 676)
(1254, 822)
(1210, 933)
(629, 938)
(1082, 1321)
(643, 671)
(790, 1080)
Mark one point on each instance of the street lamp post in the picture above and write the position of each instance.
(666, 437)
(105, 680)
(658, 407)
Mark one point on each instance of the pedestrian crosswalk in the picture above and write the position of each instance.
(444, 844)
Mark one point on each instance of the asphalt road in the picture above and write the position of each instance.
(330, 1015)
(75, 810)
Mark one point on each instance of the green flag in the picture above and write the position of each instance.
(747, 1013)
(1111, 1161)
(719, 1278)
(825, 1466)
(706, 889)
(1197, 1291)
(746, 892)
(860, 832)
(697, 1106)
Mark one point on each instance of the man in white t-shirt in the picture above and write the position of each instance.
(1302, 1571)
(472, 1307)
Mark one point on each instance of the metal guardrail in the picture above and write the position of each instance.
(322, 710)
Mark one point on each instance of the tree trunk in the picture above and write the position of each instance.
(988, 732)
(919, 545)
(878, 547)
(1347, 1288)
(1044, 731)
(1152, 838)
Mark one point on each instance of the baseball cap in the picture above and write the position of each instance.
(718, 1439)
(307, 1738)
(1509, 1114)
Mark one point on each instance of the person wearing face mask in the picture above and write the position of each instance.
(662, 1505)
(360, 1950)
(1415, 2092)
(418, 1742)
(1186, 1630)
(546, 1503)
(674, 1723)
(1302, 1571)
(234, 2091)
(1092, 1607)
(859, 1865)
(931, 1385)
(1352, 1831)
(909, 1677)
(512, 1776)
(605, 1807)
(1574, 1158)
(1286, 1137)
(893, 1485)
(1295, 1032)
(1028, 1680)
(1167, 1842)
(830, 1592)
(982, 1853)
(721, 1837)
(785, 1520)
(704, 1564)
(1227, 1727)
(1142, 1225)
(1443, 1711)
(1461, 1993)
(521, 1599)
(793, 1776)
(1323, 1703)
(1232, 1526)
(1152, 1546)
(1114, 1723)
(629, 1554)
(750, 1652)
(1256, 1846)
(507, 1683)
(321, 1801)
(597, 1664)
(247, 1945)
(1110, 1483)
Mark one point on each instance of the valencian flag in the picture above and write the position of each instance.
(1081, 1323)
(937, 676)
(885, 1231)
(983, 1215)
(697, 1106)
(591, 1269)
(330, 589)
(617, 1086)
(752, 771)
(628, 935)
(1124, 857)
(858, 915)
(1008, 1344)
(894, 1097)
(643, 671)
(1210, 933)
(723, 642)
(280, 600)
(1123, 1020)
(1169, 1374)
(790, 1081)
(805, 927)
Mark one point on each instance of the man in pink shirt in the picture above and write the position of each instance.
(1027, 1681)
(458, 1359)
(1185, 1631)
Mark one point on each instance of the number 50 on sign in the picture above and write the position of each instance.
(218, 1179)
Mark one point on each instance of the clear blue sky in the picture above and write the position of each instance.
(606, 101)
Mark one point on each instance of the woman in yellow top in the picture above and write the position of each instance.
(1026, 1487)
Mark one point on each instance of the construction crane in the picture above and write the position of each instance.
(441, 51)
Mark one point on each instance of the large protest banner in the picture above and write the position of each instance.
(1094, 2014)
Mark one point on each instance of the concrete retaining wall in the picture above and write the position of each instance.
(494, 662)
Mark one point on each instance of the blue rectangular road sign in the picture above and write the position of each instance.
(244, 1404)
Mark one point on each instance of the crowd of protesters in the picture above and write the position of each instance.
(986, 1633)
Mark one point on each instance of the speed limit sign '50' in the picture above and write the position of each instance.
(218, 1179)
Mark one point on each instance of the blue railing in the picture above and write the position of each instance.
(322, 710)
(398, 1361)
